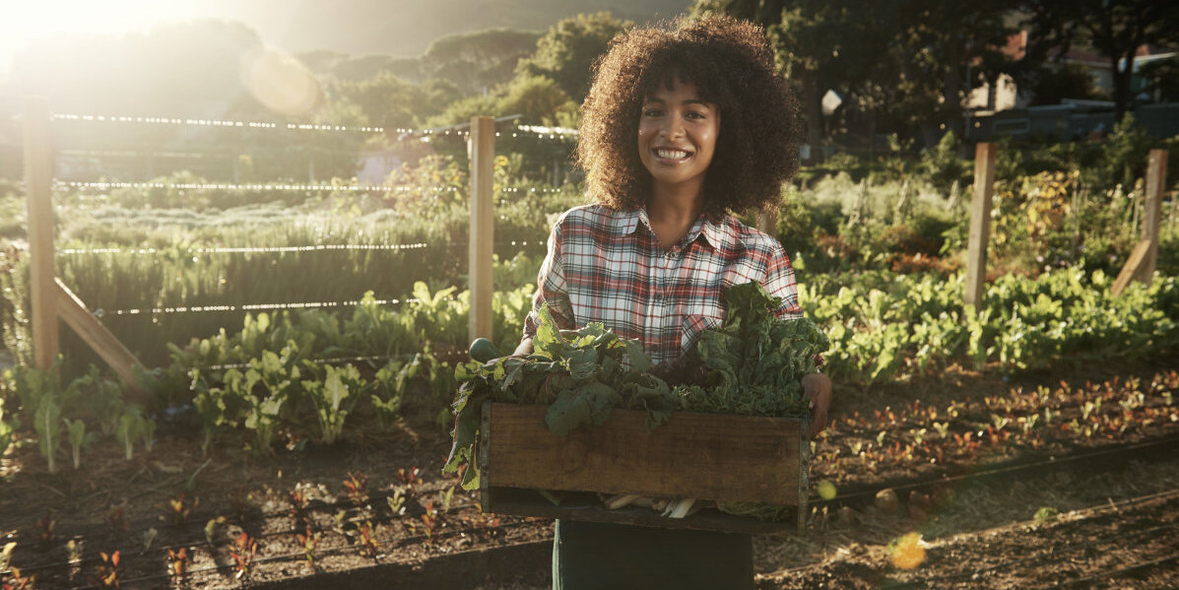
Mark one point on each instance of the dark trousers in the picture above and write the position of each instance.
(593, 556)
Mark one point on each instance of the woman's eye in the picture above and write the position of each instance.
(695, 115)
(652, 113)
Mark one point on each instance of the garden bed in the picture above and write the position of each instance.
(350, 493)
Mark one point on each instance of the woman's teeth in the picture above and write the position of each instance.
(671, 154)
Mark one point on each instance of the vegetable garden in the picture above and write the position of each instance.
(300, 357)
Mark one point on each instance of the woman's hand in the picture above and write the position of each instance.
(816, 389)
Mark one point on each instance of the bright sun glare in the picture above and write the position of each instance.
(24, 20)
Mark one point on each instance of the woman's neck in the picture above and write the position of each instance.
(673, 210)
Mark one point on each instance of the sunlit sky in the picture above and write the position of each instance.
(25, 20)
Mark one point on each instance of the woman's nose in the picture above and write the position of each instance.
(672, 128)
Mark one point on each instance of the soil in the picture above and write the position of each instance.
(173, 498)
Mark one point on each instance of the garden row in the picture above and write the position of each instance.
(310, 377)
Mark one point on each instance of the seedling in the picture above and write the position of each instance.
(211, 528)
(6, 555)
(298, 498)
(78, 439)
(178, 563)
(409, 478)
(1045, 514)
(179, 509)
(309, 541)
(397, 502)
(430, 519)
(243, 552)
(447, 496)
(47, 423)
(367, 532)
(20, 582)
(108, 570)
(357, 486)
(149, 537)
(74, 551)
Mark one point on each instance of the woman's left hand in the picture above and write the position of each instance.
(816, 389)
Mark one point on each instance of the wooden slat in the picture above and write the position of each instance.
(1132, 268)
(482, 238)
(980, 224)
(703, 456)
(38, 184)
(74, 313)
(589, 508)
(1152, 213)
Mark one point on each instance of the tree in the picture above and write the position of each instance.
(1114, 28)
(391, 102)
(477, 61)
(1053, 83)
(567, 52)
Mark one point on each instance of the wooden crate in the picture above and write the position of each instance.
(702, 456)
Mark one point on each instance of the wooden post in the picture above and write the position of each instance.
(482, 154)
(980, 223)
(1156, 181)
(39, 187)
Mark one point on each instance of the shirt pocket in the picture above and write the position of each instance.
(693, 325)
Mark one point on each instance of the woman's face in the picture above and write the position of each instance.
(677, 135)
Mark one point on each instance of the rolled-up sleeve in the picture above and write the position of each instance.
(780, 283)
(552, 289)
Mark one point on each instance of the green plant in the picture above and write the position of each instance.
(131, 427)
(47, 422)
(78, 439)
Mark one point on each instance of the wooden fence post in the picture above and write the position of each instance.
(1156, 184)
(980, 223)
(39, 188)
(482, 240)
(1141, 263)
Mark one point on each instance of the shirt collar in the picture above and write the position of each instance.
(715, 229)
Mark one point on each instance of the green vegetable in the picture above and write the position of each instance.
(582, 375)
(756, 361)
(482, 350)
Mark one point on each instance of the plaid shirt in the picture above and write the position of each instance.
(605, 265)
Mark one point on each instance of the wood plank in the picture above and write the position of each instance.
(39, 187)
(1132, 268)
(980, 224)
(1152, 213)
(588, 507)
(74, 313)
(482, 237)
(703, 456)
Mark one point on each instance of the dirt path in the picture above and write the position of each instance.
(1116, 529)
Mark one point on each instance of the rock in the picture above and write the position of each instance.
(887, 502)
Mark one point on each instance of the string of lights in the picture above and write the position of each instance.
(250, 249)
(285, 249)
(538, 131)
(257, 187)
(245, 307)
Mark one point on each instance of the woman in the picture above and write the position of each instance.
(681, 126)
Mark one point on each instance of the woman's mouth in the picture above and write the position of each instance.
(675, 155)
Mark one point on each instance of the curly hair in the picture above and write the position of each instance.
(732, 66)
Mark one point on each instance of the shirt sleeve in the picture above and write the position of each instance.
(780, 283)
(551, 289)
